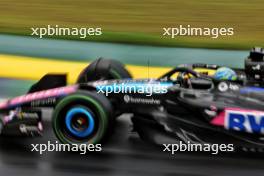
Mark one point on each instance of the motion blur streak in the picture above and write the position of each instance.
(141, 18)
(40, 67)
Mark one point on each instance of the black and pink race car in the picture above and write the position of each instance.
(182, 105)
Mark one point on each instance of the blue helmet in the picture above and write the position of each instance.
(225, 73)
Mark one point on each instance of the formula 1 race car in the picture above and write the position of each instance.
(181, 105)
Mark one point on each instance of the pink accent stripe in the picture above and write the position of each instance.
(3, 105)
(39, 95)
(219, 120)
(243, 110)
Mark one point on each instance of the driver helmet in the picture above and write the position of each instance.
(225, 73)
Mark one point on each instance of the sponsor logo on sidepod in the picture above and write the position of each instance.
(237, 119)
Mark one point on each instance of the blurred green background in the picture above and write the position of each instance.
(141, 21)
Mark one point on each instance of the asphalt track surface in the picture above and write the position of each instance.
(124, 154)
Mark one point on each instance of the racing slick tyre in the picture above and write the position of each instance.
(103, 69)
(83, 117)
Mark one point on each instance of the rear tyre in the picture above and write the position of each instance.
(83, 117)
(103, 69)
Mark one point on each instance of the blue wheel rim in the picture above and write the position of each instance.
(89, 117)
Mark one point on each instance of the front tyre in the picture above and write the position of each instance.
(83, 117)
